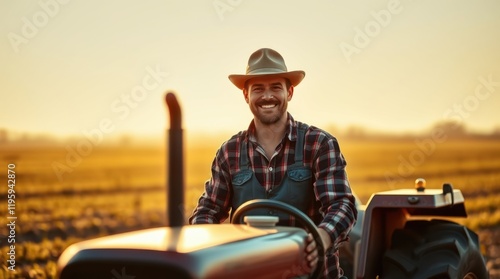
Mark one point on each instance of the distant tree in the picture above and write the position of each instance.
(496, 131)
(451, 129)
(125, 140)
(4, 136)
(355, 132)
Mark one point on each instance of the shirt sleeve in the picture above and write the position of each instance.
(334, 192)
(214, 204)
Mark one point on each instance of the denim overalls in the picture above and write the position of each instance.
(295, 189)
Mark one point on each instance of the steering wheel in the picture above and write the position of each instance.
(301, 218)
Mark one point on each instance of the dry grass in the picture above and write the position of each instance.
(120, 188)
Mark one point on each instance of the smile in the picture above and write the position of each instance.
(268, 106)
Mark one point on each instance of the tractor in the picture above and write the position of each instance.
(396, 236)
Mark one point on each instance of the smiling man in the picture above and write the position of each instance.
(281, 159)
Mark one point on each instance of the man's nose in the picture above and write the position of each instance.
(268, 94)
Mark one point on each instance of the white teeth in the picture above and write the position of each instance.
(268, 106)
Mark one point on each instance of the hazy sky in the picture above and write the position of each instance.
(72, 66)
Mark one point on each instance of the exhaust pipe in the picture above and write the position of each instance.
(175, 164)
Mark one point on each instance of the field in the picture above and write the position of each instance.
(65, 193)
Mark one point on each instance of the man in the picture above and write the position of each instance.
(282, 159)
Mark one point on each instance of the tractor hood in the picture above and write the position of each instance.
(198, 251)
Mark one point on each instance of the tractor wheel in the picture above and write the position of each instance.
(434, 249)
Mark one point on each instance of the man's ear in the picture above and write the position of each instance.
(290, 93)
(245, 95)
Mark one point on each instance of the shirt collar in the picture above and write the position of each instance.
(291, 130)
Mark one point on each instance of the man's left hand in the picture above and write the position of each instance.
(311, 251)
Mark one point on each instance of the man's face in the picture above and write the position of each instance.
(268, 98)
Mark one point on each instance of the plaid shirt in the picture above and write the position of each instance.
(322, 155)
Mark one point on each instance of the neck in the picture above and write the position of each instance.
(270, 133)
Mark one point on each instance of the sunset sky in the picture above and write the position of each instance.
(70, 67)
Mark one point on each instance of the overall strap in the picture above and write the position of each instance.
(299, 145)
(244, 163)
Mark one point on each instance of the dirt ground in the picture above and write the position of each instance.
(490, 238)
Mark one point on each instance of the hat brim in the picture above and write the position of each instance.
(295, 77)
